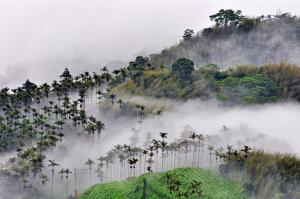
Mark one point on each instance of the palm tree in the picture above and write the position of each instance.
(246, 151)
(100, 173)
(217, 154)
(201, 145)
(210, 148)
(142, 108)
(67, 172)
(44, 180)
(99, 95)
(156, 145)
(101, 163)
(163, 135)
(90, 163)
(158, 112)
(193, 137)
(163, 145)
(139, 108)
(132, 162)
(145, 153)
(52, 164)
(186, 145)
(112, 98)
(61, 172)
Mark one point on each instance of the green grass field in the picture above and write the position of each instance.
(213, 186)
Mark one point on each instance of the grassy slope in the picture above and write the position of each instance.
(213, 186)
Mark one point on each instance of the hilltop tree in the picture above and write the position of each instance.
(183, 68)
(66, 75)
(223, 17)
(188, 33)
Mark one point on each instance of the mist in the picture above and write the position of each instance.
(271, 128)
(40, 38)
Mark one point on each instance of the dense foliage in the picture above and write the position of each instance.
(267, 175)
(157, 187)
(237, 85)
(33, 119)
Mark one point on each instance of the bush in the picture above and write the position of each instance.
(249, 89)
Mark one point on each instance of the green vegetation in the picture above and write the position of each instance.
(223, 17)
(237, 85)
(266, 175)
(155, 186)
(183, 68)
(35, 118)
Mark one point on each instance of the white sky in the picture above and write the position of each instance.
(36, 35)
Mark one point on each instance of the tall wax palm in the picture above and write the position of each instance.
(236, 156)
(101, 164)
(67, 172)
(217, 154)
(44, 180)
(158, 112)
(163, 145)
(52, 164)
(142, 108)
(200, 138)
(100, 173)
(193, 136)
(61, 172)
(185, 146)
(156, 145)
(112, 98)
(90, 163)
(246, 151)
(210, 148)
(132, 162)
(100, 126)
(145, 153)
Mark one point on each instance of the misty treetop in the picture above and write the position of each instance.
(223, 17)
(237, 39)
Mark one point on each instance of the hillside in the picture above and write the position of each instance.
(212, 186)
(236, 85)
(251, 40)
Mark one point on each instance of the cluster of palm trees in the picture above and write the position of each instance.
(124, 161)
(33, 120)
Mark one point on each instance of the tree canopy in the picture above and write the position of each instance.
(223, 17)
(183, 68)
(188, 33)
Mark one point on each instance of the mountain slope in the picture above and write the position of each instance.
(258, 40)
(155, 186)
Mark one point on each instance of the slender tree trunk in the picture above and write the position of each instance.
(209, 161)
(162, 161)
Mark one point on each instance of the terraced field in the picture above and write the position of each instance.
(154, 186)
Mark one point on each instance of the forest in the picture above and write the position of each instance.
(135, 131)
